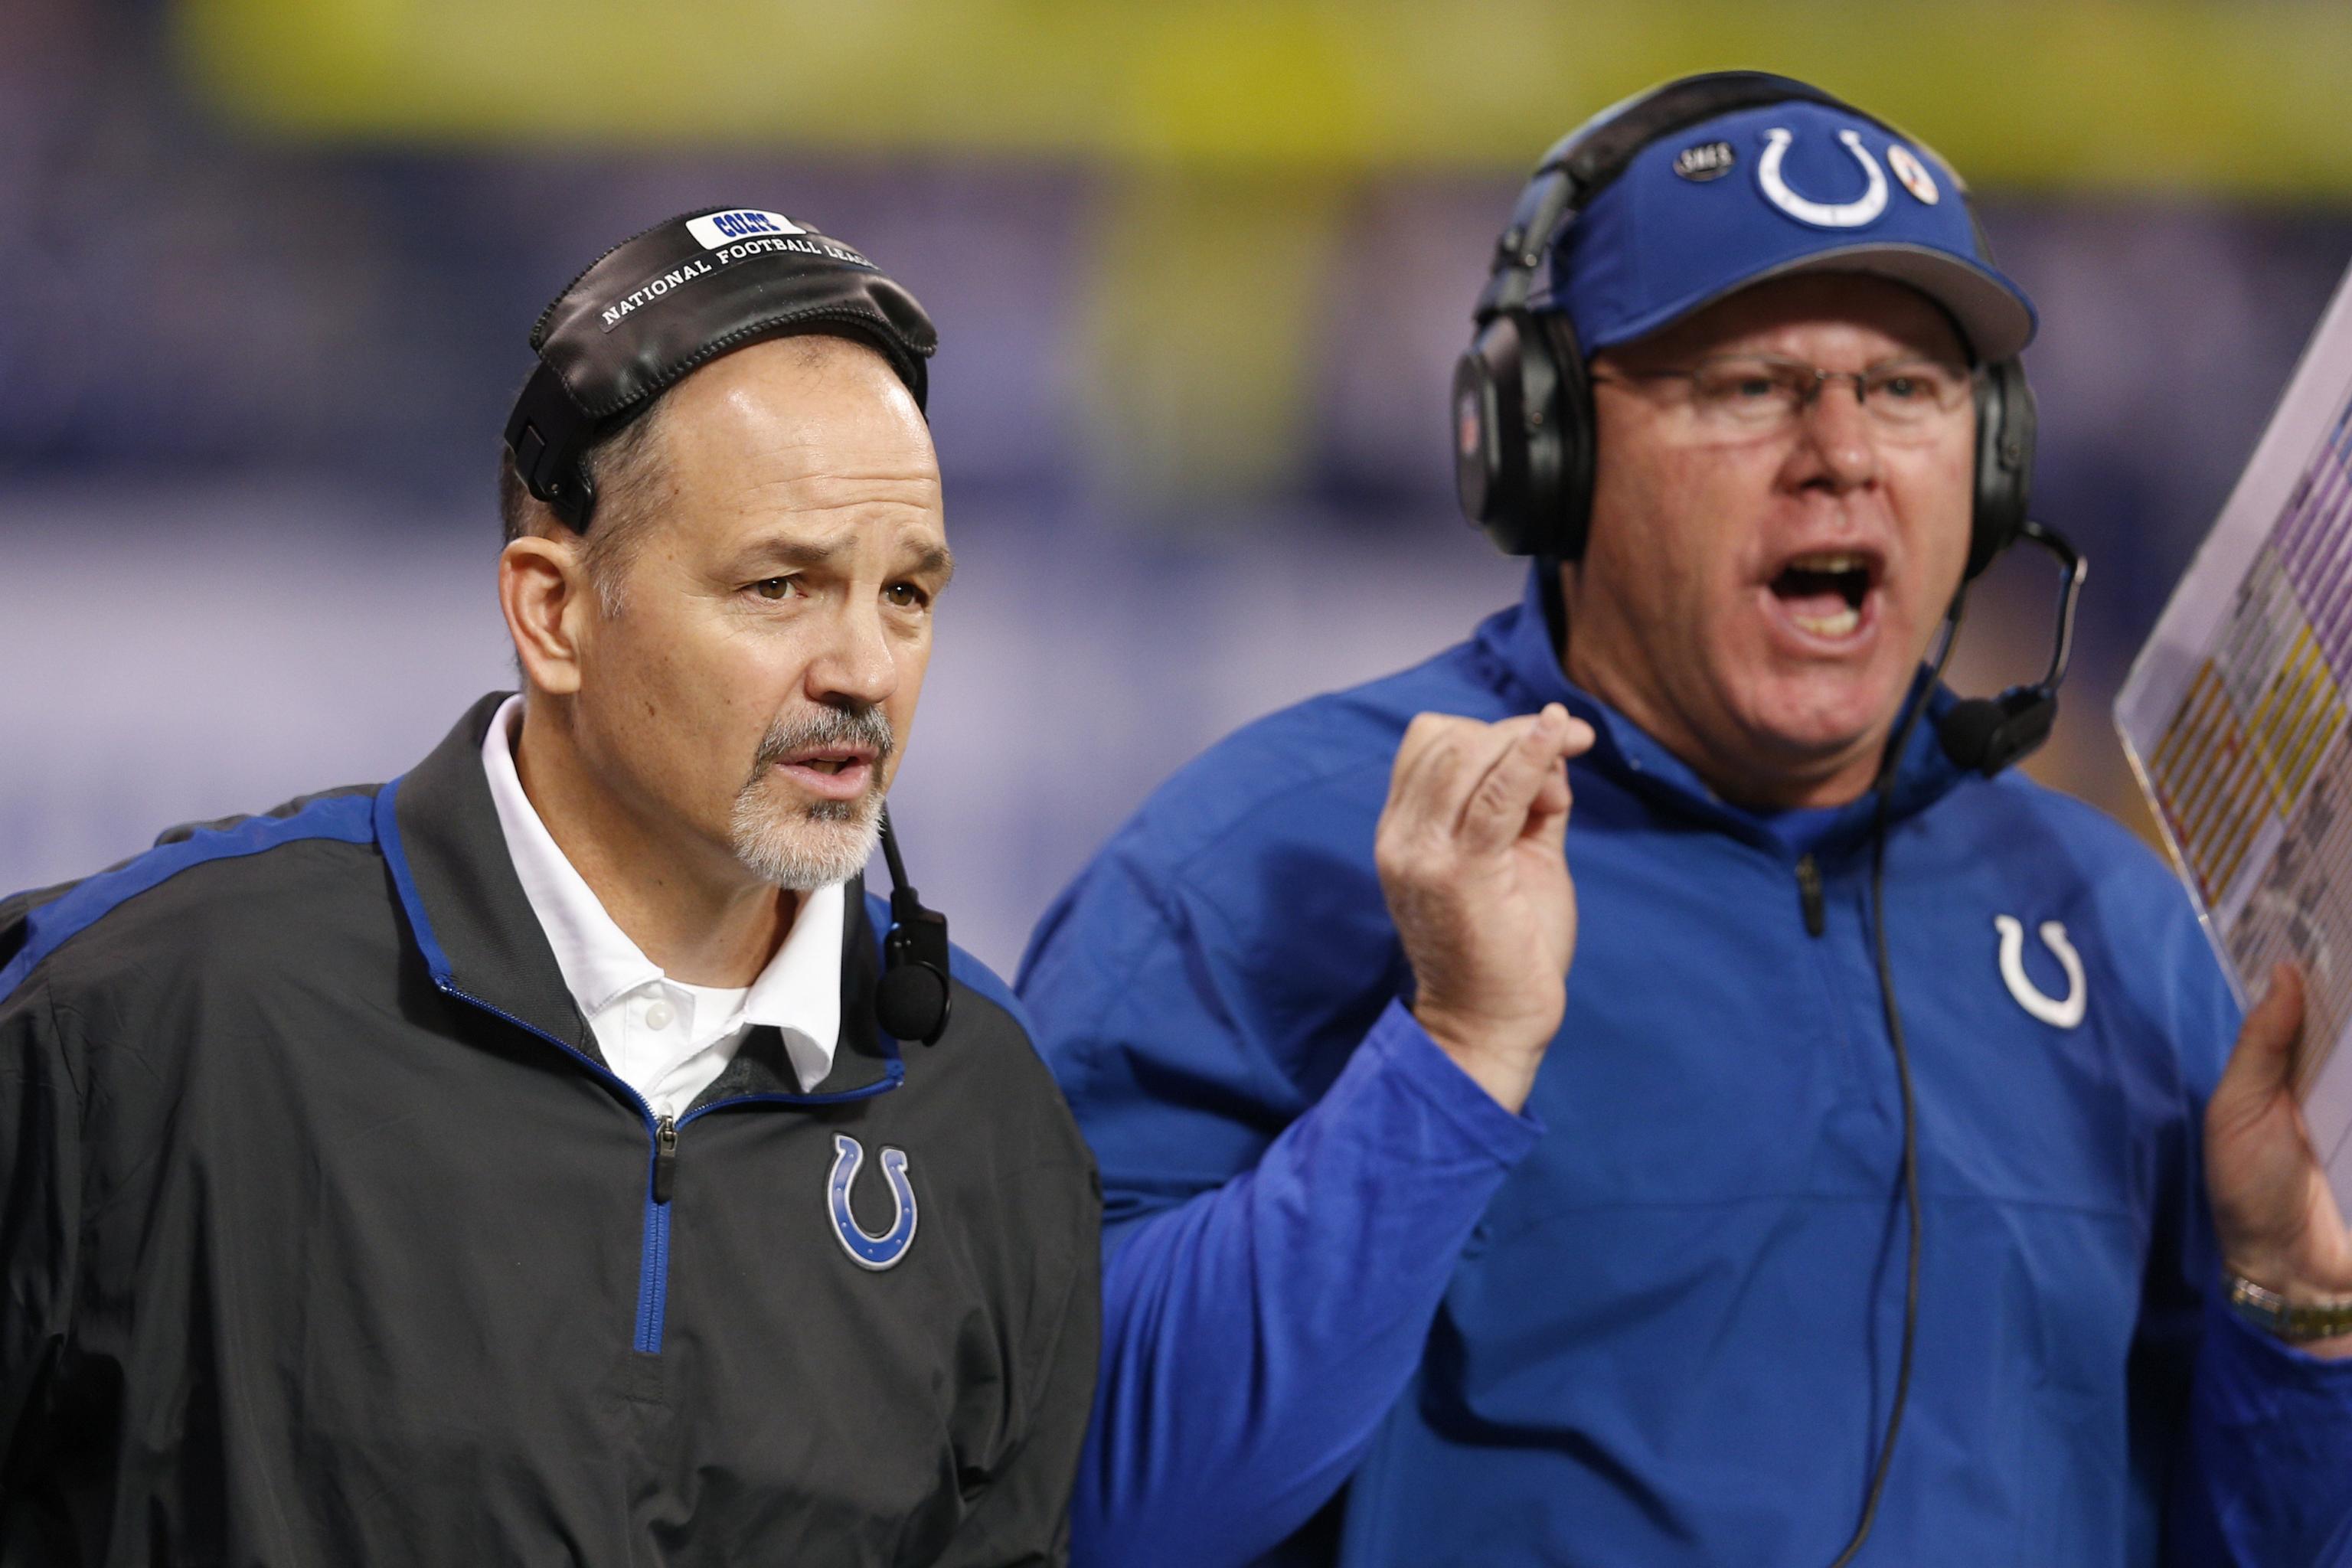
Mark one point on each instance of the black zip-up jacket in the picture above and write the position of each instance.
(326, 1236)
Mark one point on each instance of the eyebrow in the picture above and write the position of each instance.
(933, 560)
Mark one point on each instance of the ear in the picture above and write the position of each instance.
(549, 605)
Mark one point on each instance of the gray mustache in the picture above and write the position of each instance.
(867, 727)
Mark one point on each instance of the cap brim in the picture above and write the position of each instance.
(1989, 310)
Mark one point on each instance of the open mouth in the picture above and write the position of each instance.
(836, 774)
(830, 754)
(1825, 592)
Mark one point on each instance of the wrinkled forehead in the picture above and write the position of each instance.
(816, 436)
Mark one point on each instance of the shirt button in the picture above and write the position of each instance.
(658, 1015)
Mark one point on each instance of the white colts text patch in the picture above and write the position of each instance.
(2058, 1014)
(715, 229)
(1820, 215)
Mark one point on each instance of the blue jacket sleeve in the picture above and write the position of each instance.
(2248, 1439)
(2266, 1476)
(1291, 1168)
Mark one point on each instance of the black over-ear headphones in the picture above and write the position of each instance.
(650, 311)
(1523, 428)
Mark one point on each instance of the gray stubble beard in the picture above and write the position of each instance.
(817, 843)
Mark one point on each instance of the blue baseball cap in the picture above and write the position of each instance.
(1764, 192)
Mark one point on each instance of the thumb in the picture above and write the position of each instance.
(2263, 1060)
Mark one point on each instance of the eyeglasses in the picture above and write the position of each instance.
(1755, 394)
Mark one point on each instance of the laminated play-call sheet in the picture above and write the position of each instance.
(2234, 717)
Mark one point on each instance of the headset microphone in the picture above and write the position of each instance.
(1986, 734)
(911, 999)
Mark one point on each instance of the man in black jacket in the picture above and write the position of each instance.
(506, 1163)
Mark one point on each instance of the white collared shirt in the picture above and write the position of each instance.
(663, 1037)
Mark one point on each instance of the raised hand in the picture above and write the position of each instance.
(1471, 849)
(2277, 1220)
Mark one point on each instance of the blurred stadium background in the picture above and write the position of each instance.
(267, 269)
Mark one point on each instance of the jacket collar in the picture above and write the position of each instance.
(480, 941)
(1520, 648)
(798, 991)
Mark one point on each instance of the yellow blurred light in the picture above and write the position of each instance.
(2169, 93)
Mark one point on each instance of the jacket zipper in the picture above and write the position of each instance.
(1809, 894)
(652, 1254)
(664, 1158)
(653, 1248)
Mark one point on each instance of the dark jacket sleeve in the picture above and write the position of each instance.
(1020, 1516)
(40, 1207)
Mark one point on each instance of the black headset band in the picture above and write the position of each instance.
(1597, 151)
(1581, 163)
(653, 309)
(1587, 158)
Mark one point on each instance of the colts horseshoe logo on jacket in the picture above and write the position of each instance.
(2058, 1012)
(865, 1248)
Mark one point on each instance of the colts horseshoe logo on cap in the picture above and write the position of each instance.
(869, 1251)
(1820, 215)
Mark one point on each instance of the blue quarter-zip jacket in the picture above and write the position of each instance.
(1655, 1320)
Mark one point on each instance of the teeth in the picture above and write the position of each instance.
(1829, 560)
(1841, 625)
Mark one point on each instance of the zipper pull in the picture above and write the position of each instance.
(1809, 893)
(664, 1158)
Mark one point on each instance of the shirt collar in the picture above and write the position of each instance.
(798, 993)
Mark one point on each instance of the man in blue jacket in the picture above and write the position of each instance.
(1883, 1196)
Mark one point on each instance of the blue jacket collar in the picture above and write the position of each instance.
(1521, 649)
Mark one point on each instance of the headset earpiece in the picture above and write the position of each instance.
(1489, 468)
(2006, 421)
(1522, 434)
(1505, 461)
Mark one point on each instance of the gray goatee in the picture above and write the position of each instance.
(806, 845)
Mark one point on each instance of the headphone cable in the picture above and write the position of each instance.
(1884, 789)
